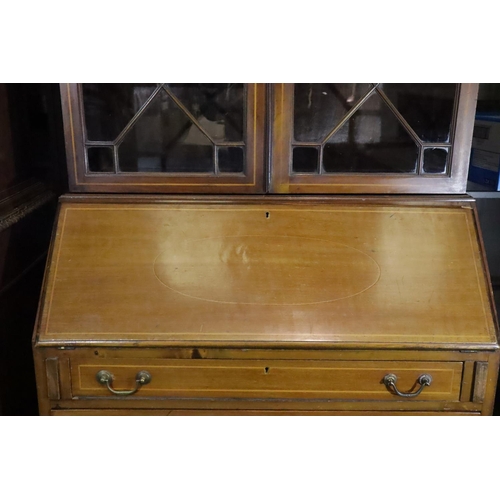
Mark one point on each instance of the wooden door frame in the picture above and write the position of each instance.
(81, 180)
(283, 181)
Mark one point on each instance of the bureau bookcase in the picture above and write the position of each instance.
(281, 249)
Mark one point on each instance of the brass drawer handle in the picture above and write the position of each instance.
(106, 378)
(390, 382)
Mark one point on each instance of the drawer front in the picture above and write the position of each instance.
(202, 378)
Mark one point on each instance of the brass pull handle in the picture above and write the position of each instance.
(390, 382)
(106, 378)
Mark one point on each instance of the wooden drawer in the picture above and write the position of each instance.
(269, 379)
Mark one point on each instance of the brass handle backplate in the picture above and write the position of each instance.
(106, 378)
(390, 382)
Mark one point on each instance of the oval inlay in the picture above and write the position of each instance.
(277, 270)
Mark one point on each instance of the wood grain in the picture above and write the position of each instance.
(235, 275)
(231, 362)
(53, 384)
(269, 379)
(480, 382)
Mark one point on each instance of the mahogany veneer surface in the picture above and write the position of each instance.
(267, 273)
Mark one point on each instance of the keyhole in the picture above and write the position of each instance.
(268, 215)
(266, 370)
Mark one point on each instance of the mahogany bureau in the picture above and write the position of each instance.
(202, 266)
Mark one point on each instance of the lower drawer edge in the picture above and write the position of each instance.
(232, 405)
(187, 413)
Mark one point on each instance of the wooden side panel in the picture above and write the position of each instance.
(44, 405)
(53, 380)
(485, 382)
(480, 381)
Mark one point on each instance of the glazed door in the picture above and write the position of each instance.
(371, 138)
(169, 138)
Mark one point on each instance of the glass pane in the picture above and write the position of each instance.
(373, 140)
(318, 107)
(100, 159)
(164, 139)
(427, 107)
(231, 160)
(218, 107)
(110, 106)
(305, 160)
(435, 160)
